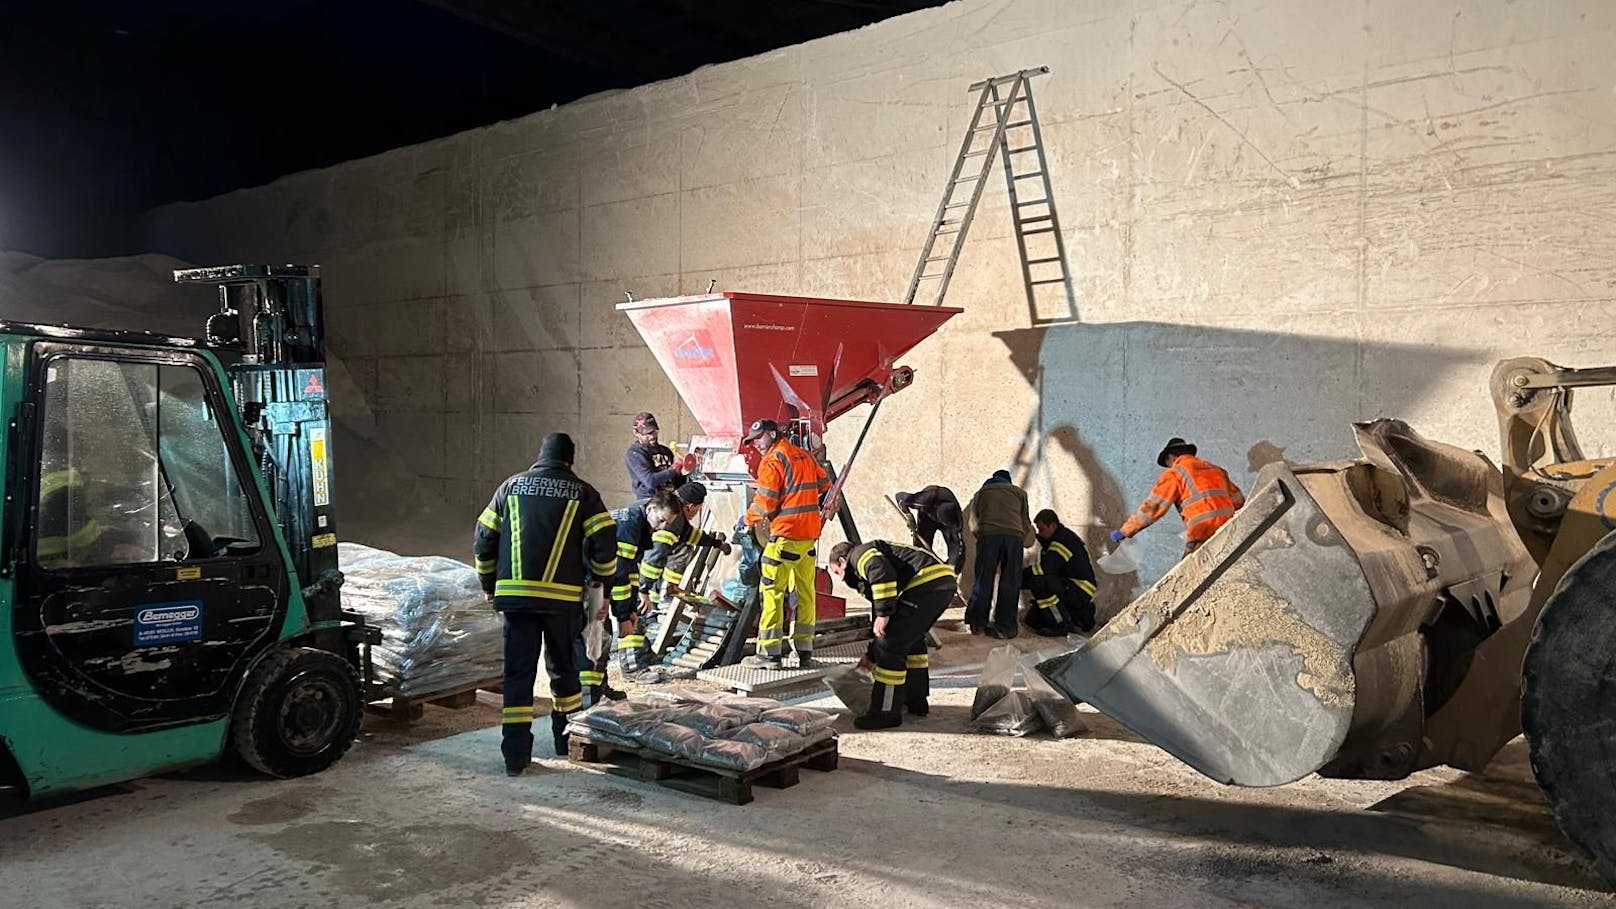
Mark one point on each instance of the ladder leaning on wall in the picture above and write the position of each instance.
(1005, 121)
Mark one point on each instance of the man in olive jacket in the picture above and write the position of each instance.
(1002, 524)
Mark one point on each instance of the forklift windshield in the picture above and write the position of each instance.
(135, 468)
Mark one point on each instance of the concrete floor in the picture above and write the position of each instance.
(922, 817)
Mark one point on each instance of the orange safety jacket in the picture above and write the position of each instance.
(1203, 493)
(790, 484)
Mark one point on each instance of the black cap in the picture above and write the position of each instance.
(759, 427)
(692, 493)
(645, 421)
(557, 446)
(1174, 447)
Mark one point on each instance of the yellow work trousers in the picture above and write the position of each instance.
(787, 565)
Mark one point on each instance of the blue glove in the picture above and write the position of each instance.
(1117, 536)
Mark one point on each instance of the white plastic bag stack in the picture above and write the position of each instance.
(438, 631)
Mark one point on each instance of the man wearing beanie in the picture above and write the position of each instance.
(544, 535)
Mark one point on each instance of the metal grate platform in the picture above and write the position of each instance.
(755, 681)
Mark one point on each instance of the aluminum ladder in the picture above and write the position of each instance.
(1006, 118)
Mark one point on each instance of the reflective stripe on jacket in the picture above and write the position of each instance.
(1064, 556)
(1201, 491)
(672, 549)
(541, 538)
(883, 571)
(790, 485)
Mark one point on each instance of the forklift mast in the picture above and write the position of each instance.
(270, 334)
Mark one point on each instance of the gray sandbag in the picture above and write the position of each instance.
(712, 720)
(599, 736)
(852, 686)
(998, 675)
(629, 719)
(1057, 711)
(1013, 715)
(674, 740)
(776, 742)
(730, 754)
(801, 720)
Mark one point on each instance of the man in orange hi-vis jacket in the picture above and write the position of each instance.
(791, 488)
(1203, 493)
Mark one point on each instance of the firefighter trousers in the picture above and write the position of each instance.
(788, 566)
(527, 633)
(902, 665)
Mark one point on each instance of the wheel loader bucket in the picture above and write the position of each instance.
(1291, 639)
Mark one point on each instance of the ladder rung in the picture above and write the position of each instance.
(1048, 281)
(1035, 219)
(1025, 176)
(993, 125)
(1032, 202)
(964, 180)
(1042, 261)
(1024, 148)
(1018, 123)
(956, 205)
(1041, 230)
(943, 233)
(939, 258)
(977, 154)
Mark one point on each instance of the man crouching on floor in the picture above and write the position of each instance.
(908, 590)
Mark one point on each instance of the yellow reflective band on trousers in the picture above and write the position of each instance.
(889, 676)
(590, 677)
(793, 571)
(631, 642)
(567, 703)
(1085, 586)
(919, 661)
(516, 715)
(1048, 602)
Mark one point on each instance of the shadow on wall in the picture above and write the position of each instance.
(1112, 394)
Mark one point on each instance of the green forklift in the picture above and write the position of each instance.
(169, 590)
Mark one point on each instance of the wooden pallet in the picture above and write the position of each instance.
(733, 786)
(409, 709)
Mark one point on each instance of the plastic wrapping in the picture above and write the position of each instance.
(755, 705)
(596, 638)
(630, 719)
(1012, 714)
(998, 674)
(801, 720)
(852, 686)
(683, 694)
(1122, 560)
(713, 719)
(674, 740)
(1056, 710)
(597, 735)
(438, 632)
(776, 741)
(730, 754)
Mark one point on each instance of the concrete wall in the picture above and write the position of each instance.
(1282, 216)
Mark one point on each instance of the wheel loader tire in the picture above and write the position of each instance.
(1568, 704)
(298, 712)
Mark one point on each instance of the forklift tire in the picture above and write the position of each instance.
(298, 713)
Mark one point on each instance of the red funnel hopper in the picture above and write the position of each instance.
(738, 357)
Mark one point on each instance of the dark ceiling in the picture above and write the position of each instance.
(108, 108)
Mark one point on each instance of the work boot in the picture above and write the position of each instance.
(918, 708)
(558, 731)
(878, 720)
(805, 661)
(612, 694)
(761, 662)
(976, 629)
(994, 631)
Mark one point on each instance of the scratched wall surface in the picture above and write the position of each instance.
(1281, 216)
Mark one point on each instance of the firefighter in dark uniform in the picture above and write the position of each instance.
(633, 543)
(1061, 581)
(674, 539)
(936, 508)
(544, 535)
(908, 590)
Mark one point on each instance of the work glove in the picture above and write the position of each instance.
(1118, 536)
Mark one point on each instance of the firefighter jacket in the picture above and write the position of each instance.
(541, 538)
(999, 508)
(1201, 491)
(650, 467)
(1064, 558)
(883, 572)
(790, 487)
(633, 543)
(672, 548)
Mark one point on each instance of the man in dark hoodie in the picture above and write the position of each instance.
(544, 535)
(651, 465)
(1000, 520)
